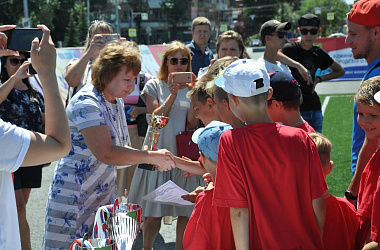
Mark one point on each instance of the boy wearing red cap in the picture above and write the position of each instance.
(275, 197)
(368, 106)
(363, 37)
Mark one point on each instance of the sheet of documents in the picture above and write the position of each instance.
(168, 193)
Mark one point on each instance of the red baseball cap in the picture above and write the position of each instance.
(365, 12)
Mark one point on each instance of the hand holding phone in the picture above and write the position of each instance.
(182, 77)
(110, 38)
(21, 39)
(4, 41)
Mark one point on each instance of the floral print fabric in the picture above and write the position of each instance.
(81, 183)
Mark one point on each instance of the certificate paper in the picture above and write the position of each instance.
(168, 193)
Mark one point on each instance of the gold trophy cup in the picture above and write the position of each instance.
(155, 123)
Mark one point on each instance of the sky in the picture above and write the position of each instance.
(349, 1)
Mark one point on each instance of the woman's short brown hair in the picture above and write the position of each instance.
(111, 59)
(172, 49)
(228, 35)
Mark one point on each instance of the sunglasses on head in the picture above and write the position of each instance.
(313, 31)
(280, 34)
(309, 22)
(182, 61)
(97, 21)
(15, 61)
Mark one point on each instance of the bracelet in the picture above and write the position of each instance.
(164, 106)
(320, 78)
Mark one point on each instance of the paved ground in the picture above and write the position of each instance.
(166, 238)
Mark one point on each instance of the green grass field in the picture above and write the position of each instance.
(337, 126)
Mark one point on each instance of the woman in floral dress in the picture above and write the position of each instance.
(85, 179)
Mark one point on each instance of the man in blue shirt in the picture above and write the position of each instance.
(364, 39)
(201, 55)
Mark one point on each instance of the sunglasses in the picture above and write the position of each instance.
(280, 34)
(97, 21)
(183, 61)
(308, 22)
(15, 61)
(313, 31)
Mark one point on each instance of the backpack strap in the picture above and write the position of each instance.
(374, 67)
(142, 80)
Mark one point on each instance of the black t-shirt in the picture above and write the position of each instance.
(313, 59)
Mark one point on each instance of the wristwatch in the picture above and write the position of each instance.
(349, 195)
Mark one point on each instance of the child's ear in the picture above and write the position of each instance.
(210, 102)
(226, 103)
(270, 93)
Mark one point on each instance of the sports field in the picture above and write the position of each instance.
(337, 126)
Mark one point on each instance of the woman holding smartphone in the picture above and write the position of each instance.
(78, 72)
(23, 106)
(165, 97)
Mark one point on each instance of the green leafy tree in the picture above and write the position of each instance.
(339, 7)
(176, 11)
(76, 28)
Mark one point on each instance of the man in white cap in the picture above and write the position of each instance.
(363, 37)
(269, 175)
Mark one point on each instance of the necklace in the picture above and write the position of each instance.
(117, 123)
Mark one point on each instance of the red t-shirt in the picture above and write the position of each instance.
(341, 224)
(369, 201)
(209, 227)
(275, 172)
(305, 126)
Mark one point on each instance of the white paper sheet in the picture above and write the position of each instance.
(168, 193)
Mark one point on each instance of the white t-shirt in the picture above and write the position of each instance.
(14, 143)
(271, 67)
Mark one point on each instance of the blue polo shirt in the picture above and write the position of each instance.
(199, 59)
(358, 133)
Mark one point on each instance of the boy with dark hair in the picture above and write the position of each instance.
(341, 223)
(312, 57)
(275, 196)
(284, 105)
(368, 106)
(209, 227)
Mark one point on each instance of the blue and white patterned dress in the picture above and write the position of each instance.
(81, 183)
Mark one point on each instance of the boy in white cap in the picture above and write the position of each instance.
(209, 227)
(275, 196)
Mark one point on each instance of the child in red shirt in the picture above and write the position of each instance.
(341, 224)
(284, 105)
(268, 175)
(209, 227)
(368, 104)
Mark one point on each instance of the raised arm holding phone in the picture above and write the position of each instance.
(21, 147)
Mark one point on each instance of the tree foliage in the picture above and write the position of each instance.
(76, 28)
(176, 11)
(339, 7)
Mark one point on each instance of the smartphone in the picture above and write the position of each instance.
(21, 39)
(182, 77)
(110, 38)
(31, 70)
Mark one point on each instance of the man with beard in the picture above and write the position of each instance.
(363, 37)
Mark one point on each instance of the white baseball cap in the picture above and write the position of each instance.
(239, 78)
(377, 97)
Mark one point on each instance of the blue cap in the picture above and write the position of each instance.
(208, 138)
